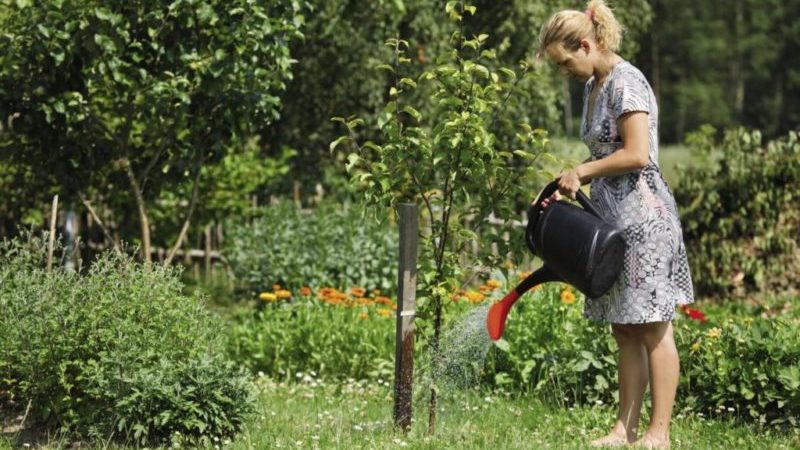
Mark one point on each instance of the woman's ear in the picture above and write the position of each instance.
(586, 45)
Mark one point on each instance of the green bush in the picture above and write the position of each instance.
(742, 365)
(748, 367)
(740, 215)
(117, 350)
(305, 335)
(324, 247)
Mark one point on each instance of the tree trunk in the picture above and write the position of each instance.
(185, 227)
(143, 220)
(437, 325)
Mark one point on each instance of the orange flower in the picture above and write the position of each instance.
(364, 301)
(384, 301)
(305, 291)
(283, 294)
(567, 297)
(276, 287)
(358, 292)
(383, 312)
(475, 297)
(494, 284)
(363, 316)
(484, 288)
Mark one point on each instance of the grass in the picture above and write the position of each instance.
(358, 415)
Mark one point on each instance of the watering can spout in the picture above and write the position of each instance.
(498, 313)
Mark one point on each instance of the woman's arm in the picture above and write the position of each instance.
(634, 154)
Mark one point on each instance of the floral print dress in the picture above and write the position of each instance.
(655, 276)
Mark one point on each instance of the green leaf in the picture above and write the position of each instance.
(502, 344)
(336, 143)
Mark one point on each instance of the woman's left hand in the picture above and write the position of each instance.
(569, 183)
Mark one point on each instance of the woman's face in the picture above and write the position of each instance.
(574, 64)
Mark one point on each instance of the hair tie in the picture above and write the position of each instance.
(590, 13)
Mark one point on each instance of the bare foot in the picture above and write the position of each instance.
(653, 442)
(612, 439)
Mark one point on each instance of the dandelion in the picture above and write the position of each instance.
(363, 316)
(695, 347)
(567, 297)
(267, 297)
(714, 333)
(383, 312)
(282, 293)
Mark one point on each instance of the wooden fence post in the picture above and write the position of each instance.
(406, 302)
(52, 237)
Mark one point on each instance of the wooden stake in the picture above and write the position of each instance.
(406, 302)
(53, 215)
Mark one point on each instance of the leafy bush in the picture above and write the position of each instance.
(748, 366)
(740, 216)
(333, 334)
(324, 247)
(119, 350)
(742, 364)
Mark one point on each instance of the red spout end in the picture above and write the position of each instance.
(496, 319)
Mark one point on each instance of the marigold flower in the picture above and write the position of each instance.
(267, 297)
(714, 333)
(384, 301)
(364, 301)
(494, 284)
(363, 316)
(305, 291)
(383, 312)
(474, 297)
(484, 288)
(358, 292)
(283, 294)
(567, 297)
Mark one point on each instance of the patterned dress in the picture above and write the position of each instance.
(655, 277)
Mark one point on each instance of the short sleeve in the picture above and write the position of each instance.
(631, 92)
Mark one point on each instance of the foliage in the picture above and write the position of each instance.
(726, 66)
(326, 246)
(325, 334)
(747, 366)
(740, 216)
(741, 365)
(138, 95)
(117, 351)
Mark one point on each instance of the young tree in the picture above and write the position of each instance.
(449, 160)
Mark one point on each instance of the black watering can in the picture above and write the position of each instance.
(577, 245)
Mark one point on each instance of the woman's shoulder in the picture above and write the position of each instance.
(627, 72)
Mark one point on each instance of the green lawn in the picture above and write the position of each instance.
(358, 415)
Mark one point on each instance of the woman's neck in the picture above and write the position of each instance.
(605, 65)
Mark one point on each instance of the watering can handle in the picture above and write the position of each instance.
(536, 207)
(551, 187)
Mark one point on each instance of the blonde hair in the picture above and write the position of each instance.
(568, 27)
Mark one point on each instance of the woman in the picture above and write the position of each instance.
(620, 119)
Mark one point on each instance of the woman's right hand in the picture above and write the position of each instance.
(553, 198)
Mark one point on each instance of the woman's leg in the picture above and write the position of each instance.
(664, 373)
(632, 375)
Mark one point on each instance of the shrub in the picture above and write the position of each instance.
(742, 365)
(740, 216)
(118, 350)
(328, 246)
(334, 335)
